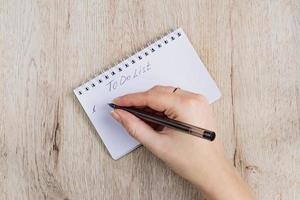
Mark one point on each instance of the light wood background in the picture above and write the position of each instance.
(48, 148)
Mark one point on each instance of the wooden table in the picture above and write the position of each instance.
(48, 147)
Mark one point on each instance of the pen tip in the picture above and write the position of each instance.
(112, 105)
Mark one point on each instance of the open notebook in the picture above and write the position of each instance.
(169, 61)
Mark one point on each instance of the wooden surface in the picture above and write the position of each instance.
(48, 148)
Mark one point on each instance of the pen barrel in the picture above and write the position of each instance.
(171, 123)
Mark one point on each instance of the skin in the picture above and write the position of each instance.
(201, 162)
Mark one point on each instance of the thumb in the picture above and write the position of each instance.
(138, 129)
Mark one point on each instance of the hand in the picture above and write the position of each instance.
(200, 161)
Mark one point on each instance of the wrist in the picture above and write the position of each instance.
(223, 182)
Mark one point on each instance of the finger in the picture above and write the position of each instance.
(159, 98)
(138, 129)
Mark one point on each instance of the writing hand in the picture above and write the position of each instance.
(201, 162)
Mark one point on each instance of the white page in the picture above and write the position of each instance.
(174, 64)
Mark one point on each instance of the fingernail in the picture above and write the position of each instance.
(115, 115)
(115, 100)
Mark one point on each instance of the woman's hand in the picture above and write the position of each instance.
(200, 161)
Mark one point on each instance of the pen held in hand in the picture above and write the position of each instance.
(171, 123)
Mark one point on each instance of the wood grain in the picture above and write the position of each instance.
(48, 148)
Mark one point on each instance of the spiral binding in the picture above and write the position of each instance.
(126, 63)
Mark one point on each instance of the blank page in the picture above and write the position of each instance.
(170, 61)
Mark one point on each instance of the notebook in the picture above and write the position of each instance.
(171, 61)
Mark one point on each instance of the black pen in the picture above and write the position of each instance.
(171, 123)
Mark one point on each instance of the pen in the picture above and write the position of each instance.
(171, 123)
